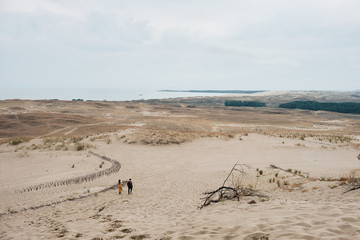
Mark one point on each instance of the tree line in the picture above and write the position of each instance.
(237, 103)
(344, 107)
(341, 107)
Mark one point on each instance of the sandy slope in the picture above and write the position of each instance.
(168, 182)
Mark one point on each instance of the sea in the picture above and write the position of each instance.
(99, 94)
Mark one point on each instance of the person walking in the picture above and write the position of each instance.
(120, 186)
(130, 186)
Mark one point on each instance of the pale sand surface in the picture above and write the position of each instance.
(168, 183)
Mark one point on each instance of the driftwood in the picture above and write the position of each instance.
(233, 190)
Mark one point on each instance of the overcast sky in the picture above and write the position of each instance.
(184, 44)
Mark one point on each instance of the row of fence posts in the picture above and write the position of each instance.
(115, 167)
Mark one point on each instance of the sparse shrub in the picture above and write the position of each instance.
(80, 146)
(75, 139)
(342, 183)
(343, 179)
(11, 210)
(17, 141)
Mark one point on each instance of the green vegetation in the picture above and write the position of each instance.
(15, 141)
(236, 103)
(344, 107)
(18, 140)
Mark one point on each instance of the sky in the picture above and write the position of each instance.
(187, 44)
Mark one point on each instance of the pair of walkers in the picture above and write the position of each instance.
(129, 185)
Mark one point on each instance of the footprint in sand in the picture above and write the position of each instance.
(140, 237)
(116, 224)
(257, 236)
(117, 237)
(127, 230)
(106, 218)
(78, 235)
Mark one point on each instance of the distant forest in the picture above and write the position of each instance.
(344, 107)
(236, 103)
(213, 91)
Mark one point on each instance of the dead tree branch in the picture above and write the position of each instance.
(353, 185)
(234, 190)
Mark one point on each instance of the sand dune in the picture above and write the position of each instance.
(168, 183)
(175, 151)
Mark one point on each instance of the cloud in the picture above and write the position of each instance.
(180, 44)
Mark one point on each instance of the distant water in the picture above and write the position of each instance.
(95, 94)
